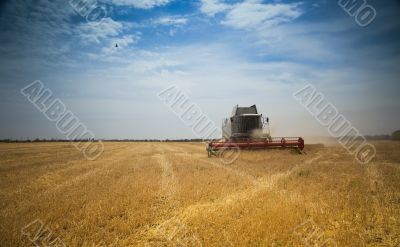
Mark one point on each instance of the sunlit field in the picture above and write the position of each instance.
(172, 194)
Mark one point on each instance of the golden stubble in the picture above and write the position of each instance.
(171, 194)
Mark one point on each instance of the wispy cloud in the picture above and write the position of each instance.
(171, 21)
(253, 14)
(212, 7)
(95, 33)
(141, 4)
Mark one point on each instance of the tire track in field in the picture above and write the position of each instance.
(130, 183)
(374, 184)
(231, 170)
(258, 182)
(252, 178)
(262, 184)
(168, 179)
(173, 231)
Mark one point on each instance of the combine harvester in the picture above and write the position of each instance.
(246, 129)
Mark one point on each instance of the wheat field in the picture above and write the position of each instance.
(172, 194)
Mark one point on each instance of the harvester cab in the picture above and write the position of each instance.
(245, 123)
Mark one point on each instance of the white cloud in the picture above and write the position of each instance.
(89, 33)
(141, 4)
(154, 66)
(126, 40)
(171, 21)
(212, 7)
(252, 14)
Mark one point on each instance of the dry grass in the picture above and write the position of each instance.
(171, 194)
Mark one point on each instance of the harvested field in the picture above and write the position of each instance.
(171, 194)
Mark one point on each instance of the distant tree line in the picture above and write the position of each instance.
(378, 137)
(395, 136)
(103, 140)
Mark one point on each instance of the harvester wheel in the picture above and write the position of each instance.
(211, 152)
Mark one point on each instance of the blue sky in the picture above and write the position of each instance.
(221, 53)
